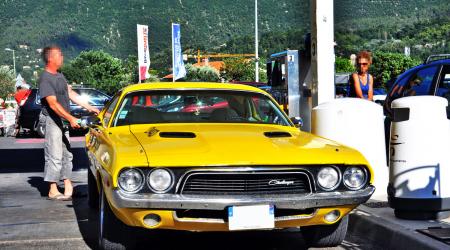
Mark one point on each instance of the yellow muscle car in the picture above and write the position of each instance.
(216, 157)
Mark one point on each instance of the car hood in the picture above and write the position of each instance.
(182, 145)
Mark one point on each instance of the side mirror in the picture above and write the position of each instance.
(90, 121)
(298, 121)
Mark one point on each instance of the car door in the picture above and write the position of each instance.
(99, 151)
(420, 82)
(443, 85)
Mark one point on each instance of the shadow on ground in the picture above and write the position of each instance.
(25, 160)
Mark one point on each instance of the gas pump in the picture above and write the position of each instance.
(289, 76)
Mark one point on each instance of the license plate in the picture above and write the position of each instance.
(251, 217)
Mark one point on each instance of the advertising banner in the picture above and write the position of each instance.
(143, 53)
(179, 71)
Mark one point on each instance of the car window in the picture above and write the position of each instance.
(444, 82)
(200, 106)
(110, 110)
(419, 83)
(92, 96)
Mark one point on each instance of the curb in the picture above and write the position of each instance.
(389, 235)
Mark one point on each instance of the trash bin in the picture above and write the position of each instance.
(359, 124)
(419, 158)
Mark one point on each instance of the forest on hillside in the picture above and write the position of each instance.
(220, 26)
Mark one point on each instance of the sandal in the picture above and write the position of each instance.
(59, 197)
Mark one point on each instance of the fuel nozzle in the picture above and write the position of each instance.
(82, 123)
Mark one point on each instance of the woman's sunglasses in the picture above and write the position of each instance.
(363, 64)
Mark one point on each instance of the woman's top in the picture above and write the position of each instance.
(365, 88)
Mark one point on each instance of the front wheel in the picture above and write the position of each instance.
(113, 234)
(326, 235)
(93, 197)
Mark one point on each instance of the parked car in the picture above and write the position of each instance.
(31, 110)
(239, 165)
(430, 78)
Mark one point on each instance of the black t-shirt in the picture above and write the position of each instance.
(53, 85)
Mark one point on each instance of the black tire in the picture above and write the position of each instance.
(113, 234)
(93, 196)
(326, 235)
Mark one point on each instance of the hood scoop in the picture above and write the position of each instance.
(177, 135)
(277, 134)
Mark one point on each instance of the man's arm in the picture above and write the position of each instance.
(59, 110)
(75, 97)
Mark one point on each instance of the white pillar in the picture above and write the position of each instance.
(322, 51)
(256, 43)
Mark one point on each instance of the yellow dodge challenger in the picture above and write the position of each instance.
(216, 157)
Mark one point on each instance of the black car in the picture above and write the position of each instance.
(31, 110)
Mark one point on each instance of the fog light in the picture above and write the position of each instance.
(332, 216)
(152, 220)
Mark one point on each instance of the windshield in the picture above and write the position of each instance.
(92, 96)
(199, 106)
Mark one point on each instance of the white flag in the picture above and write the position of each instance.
(143, 53)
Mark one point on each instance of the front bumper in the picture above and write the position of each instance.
(177, 201)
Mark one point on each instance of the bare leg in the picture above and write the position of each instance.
(68, 188)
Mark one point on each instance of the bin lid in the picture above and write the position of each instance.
(426, 102)
(349, 103)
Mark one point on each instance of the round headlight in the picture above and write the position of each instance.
(160, 180)
(328, 178)
(354, 178)
(131, 180)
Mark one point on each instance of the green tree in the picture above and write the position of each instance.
(192, 73)
(6, 82)
(387, 66)
(99, 70)
(343, 65)
(208, 74)
(242, 69)
(203, 74)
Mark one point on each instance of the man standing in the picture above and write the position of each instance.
(21, 96)
(55, 98)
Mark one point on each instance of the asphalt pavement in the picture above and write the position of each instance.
(29, 221)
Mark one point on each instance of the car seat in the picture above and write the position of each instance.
(143, 115)
(224, 115)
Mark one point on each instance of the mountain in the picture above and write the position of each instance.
(209, 25)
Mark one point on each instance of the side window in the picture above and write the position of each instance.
(110, 109)
(419, 83)
(444, 82)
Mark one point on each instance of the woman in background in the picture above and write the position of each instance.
(362, 80)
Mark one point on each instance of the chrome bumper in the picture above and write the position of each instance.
(176, 201)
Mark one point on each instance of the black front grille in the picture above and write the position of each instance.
(225, 183)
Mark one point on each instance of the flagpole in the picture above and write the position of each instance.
(173, 57)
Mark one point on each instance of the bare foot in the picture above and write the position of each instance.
(53, 192)
(68, 188)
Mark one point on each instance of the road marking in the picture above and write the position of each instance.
(9, 242)
(42, 140)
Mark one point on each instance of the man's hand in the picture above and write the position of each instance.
(74, 122)
(94, 110)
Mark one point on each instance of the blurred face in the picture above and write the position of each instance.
(56, 58)
(363, 65)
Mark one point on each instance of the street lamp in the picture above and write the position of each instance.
(14, 60)
(256, 43)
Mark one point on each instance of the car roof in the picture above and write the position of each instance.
(432, 63)
(191, 85)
